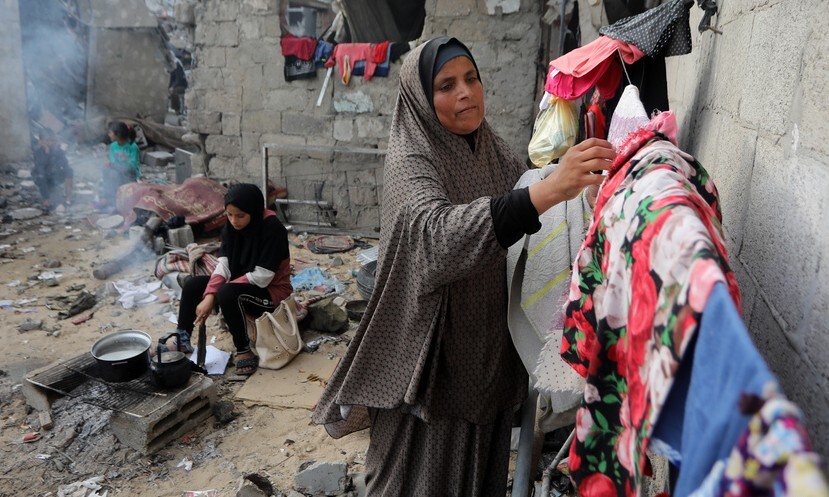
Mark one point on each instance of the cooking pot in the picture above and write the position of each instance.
(122, 356)
(169, 369)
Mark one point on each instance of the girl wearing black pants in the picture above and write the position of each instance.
(253, 275)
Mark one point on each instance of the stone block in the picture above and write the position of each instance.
(227, 100)
(362, 187)
(269, 27)
(766, 99)
(230, 124)
(262, 121)
(147, 434)
(250, 29)
(218, 34)
(207, 78)
(205, 122)
(302, 124)
(181, 237)
(313, 170)
(224, 167)
(257, 7)
(198, 164)
(157, 159)
(456, 8)
(730, 63)
(343, 129)
(213, 57)
(225, 146)
(258, 52)
(814, 83)
(355, 102)
(251, 145)
(486, 56)
(291, 99)
(730, 167)
(219, 11)
(817, 315)
(373, 127)
(326, 478)
(779, 224)
(185, 13)
(227, 34)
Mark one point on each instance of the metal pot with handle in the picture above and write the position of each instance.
(122, 356)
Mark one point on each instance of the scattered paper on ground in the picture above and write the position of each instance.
(215, 360)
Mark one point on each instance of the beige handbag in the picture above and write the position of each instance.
(277, 339)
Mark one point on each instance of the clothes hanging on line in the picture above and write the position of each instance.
(652, 254)
(595, 64)
(302, 48)
(347, 54)
(663, 31)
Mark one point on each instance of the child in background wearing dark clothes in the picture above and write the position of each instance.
(51, 170)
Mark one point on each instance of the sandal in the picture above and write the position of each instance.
(181, 340)
(247, 366)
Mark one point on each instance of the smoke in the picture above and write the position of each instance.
(55, 46)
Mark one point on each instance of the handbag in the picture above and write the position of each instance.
(277, 339)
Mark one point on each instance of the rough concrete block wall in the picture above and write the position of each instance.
(752, 105)
(239, 99)
(14, 138)
(135, 56)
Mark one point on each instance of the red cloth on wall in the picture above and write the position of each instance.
(380, 52)
(302, 48)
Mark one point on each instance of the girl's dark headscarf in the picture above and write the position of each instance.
(258, 243)
(436, 53)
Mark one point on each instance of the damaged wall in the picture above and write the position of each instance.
(753, 106)
(14, 120)
(126, 74)
(239, 100)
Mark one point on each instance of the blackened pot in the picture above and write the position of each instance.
(122, 356)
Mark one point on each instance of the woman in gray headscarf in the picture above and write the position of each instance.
(432, 369)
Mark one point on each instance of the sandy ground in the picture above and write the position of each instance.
(272, 442)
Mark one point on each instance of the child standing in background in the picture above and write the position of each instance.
(123, 165)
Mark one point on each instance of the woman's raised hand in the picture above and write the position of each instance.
(574, 173)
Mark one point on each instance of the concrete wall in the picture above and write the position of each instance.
(239, 99)
(752, 104)
(15, 143)
(126, 74)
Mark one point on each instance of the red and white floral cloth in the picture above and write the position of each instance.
(653, 252)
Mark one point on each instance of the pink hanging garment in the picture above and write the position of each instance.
(347, 54)
(595, 64)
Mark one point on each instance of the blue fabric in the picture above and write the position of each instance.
(323, 52)
(701, 418)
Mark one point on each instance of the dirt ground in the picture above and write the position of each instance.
(271, 442)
